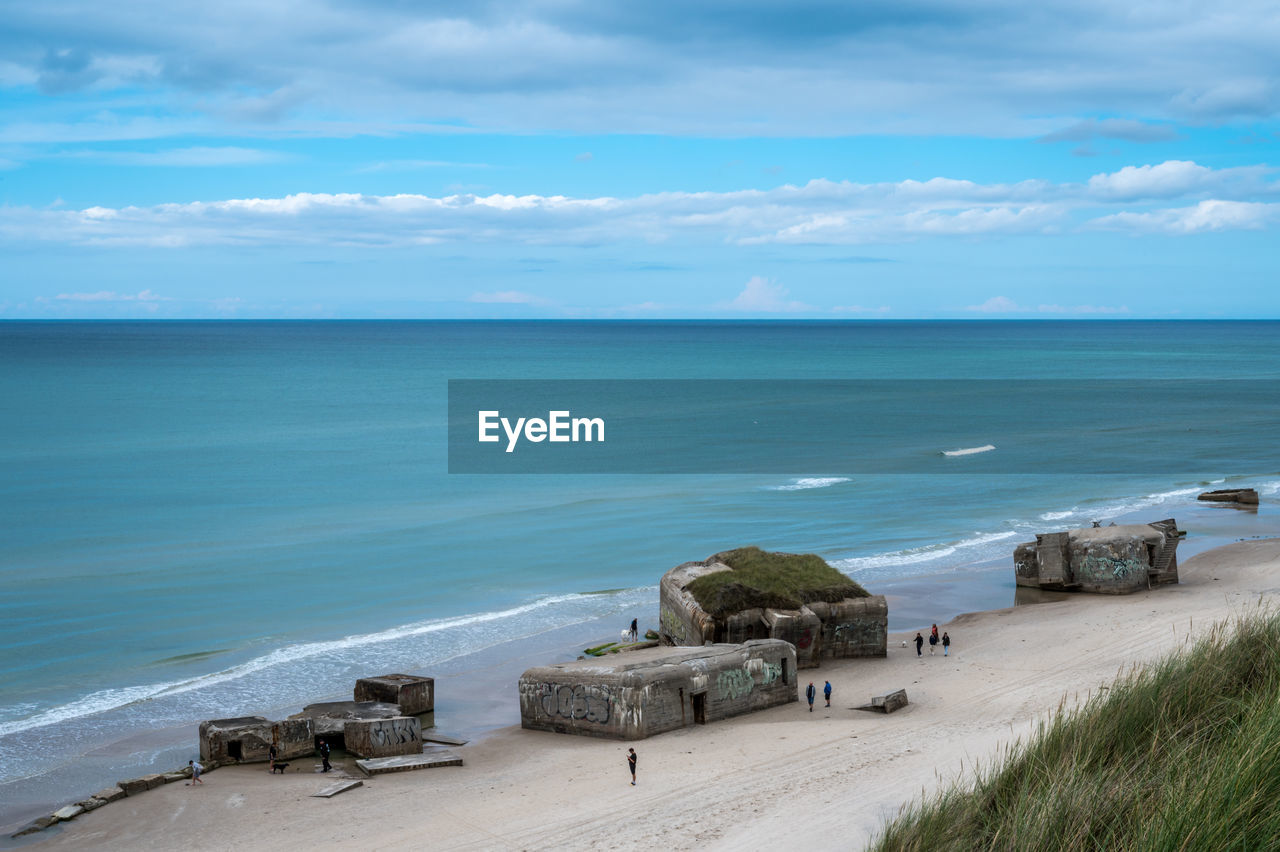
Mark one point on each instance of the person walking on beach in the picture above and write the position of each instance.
(826, 692)
(919, 645)
(196, 769)
(631, 764)
(933, 639)
(324, 756)
(635, 630)
(271, 756)
(810, 693)
(946, 644)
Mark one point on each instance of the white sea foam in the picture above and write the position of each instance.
(1057, 516)
(970, 451)
(114, 699)
(915, 555)
(811, 482)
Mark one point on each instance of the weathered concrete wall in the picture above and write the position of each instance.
(1117, 566)
(660, 689)
(414, 694)
(855, 627)
(246, 739)
(329, 718)
(1106, 560)
(383, 737)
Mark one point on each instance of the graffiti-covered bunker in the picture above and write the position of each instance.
(644, 692)
(750, 593)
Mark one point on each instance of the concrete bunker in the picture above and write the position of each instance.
(652, 690)
(756, 595)
(415, 694)
(1117, 560)
(247, 739)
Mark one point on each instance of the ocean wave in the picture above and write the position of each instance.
(810, 482)
(969, 451)
(107, 700)
(1056, 516)
(916, 555)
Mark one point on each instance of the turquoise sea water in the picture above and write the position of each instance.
(203, 520)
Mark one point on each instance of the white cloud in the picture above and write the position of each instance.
(111, 296)
(507, 297)
(762, 296)
(1005, 305)
(1212, 215)
(997, 305)
(821, 212)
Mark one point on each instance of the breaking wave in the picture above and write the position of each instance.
(810, 482)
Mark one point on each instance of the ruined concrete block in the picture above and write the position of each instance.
(383, 737)
(247, 739)
(891, 701)
(153, 780)
(69, 812)
(170, 777)
(408, 762)
(91, 804)
(133, 786)
(38, 824)
(1244, 496)
(111, 794)
(1106, 560)
(328, 718)
(412, 693)
(853, 627)
(645, 692)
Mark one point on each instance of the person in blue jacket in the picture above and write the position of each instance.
(810, 693)
(826, 692)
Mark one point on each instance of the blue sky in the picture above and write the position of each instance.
(558, 158)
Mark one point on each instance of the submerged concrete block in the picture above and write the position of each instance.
(414, 694)
(383, 737)
(38, 824)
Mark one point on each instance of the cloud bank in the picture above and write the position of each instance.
(1174, 197)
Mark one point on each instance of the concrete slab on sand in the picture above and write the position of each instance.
(406, 762)
(428, 737)
(340, 787)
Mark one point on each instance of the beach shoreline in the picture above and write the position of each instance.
(826, 780)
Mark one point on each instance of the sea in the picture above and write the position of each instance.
(211, 519)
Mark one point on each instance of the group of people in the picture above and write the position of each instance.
(934, 641)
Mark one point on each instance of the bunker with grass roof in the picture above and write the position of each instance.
(647, 691)
(749, 593)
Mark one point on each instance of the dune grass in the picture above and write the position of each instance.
(1183, 754)
(763, 579)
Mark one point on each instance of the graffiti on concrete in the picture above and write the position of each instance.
(389, 732)
(1104, 567)
(586, 703)
(672, 625)
(734, 683)
(772, 671)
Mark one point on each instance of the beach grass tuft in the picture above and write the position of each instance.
(1180, 754)
(763, 579)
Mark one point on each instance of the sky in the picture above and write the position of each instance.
(887, 159)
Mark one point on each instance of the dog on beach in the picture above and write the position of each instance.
(279, 767)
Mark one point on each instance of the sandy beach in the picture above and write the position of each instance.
(820, 780)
